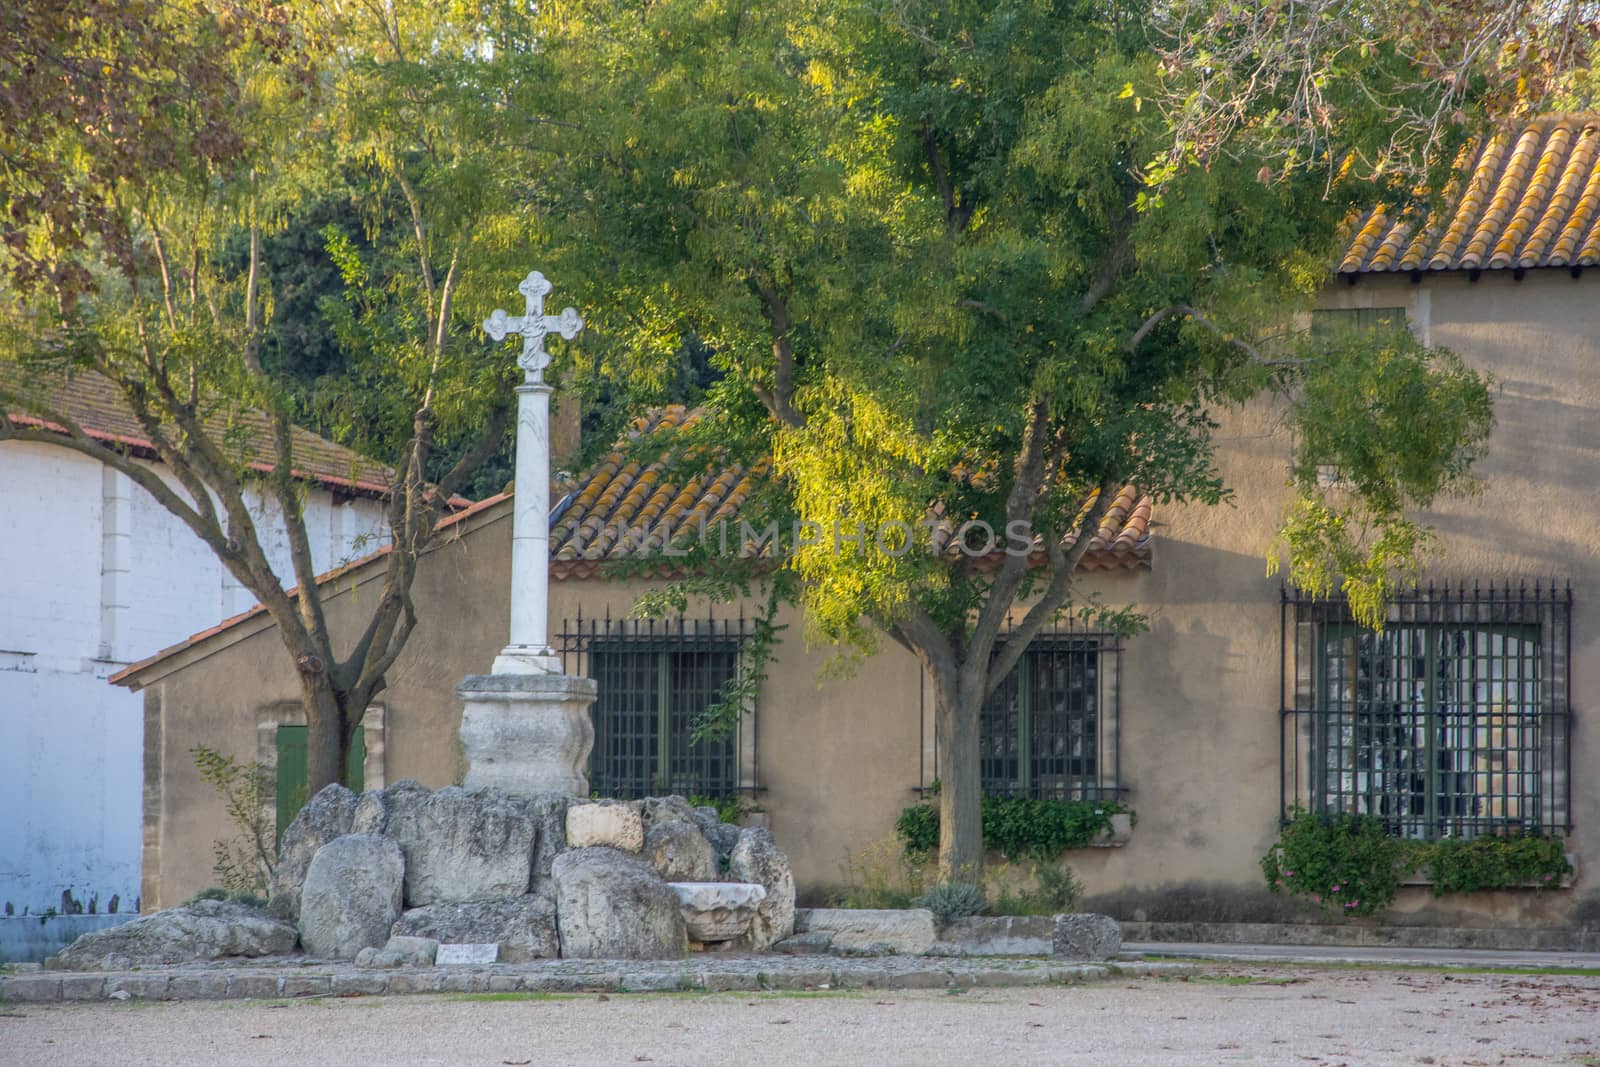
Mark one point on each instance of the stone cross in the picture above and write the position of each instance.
(529, 651)
(533, 324)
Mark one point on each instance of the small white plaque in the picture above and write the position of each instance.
(466, 954)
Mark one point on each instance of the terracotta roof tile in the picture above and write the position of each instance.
(97, 406)
(623, 508)
(1523, 199)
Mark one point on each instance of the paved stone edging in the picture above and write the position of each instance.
(237, 982)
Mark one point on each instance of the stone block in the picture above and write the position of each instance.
(462, 845)
(254, 986)
(413, 951)
(524, 928)
(138, 986)
(31, 989)
(923, 978)
(307, 985)
(757, 858)
(906, 932)
(717, 911)
(326, 816)
(527, 733)
(83, 987)
(679, 851)
(1086, 936)
(802, 979)
(605, 825)
(818, 943)
(1011, 977)
(351, 896)
(997, 935)
(464, 982)
(415, 981)
(206, 985)
(205, 930)
(655, 810)
(610, 905)
(363, 984)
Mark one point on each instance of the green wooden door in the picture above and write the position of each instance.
(292, 788)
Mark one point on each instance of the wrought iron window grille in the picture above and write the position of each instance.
(1052, 730)
(1452, 722)
(656, 678)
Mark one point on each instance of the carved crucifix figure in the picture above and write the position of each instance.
(533, 325)
(529, 651)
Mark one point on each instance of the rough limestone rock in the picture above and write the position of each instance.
(462, 845)
(722, 835)
(204, 930)
(757, 858)
(370, 815)
(400, 952)
(679, 852)
(351, 896)
(663, 809)
(610, 905)
(607, 824)
(901, 931)
(1086, 936)
(549, 812)
(524, 928)
(325, 816)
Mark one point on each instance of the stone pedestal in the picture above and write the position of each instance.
(527, 733)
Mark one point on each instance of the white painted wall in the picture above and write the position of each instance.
(95, 574)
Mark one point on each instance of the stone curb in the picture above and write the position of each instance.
(595, 976)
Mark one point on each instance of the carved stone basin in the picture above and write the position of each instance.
(717, 911)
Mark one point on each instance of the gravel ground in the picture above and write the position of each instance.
(1273, 1015)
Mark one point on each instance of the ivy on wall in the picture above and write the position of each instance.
(1018, 827)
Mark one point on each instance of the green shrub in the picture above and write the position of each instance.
(880, 876)
(1349, 865)
(1487, 863)
(216, 892)
(1346, 864)
(729, 808)
(952, 900)
(1017, 827)
(1055, 891)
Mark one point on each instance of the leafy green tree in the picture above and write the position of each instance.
(151, 152)
(993, 261)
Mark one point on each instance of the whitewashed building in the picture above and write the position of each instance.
(95, 574)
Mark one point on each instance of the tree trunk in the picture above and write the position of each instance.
(956, 711)
(328, 737)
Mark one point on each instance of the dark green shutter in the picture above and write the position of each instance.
(292, 786)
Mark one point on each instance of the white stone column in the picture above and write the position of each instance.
(529, 650)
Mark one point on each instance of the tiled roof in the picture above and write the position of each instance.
(96, 405)
(622, 507)
(1524, 198)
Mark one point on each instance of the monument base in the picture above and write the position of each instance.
(527, 733)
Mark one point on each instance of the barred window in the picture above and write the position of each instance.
(1328, 323)
(1452, 721)
(1050, 731)
(655, 681)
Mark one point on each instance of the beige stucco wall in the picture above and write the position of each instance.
(1200, 691)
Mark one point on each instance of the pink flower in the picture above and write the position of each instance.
(1335, 889)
